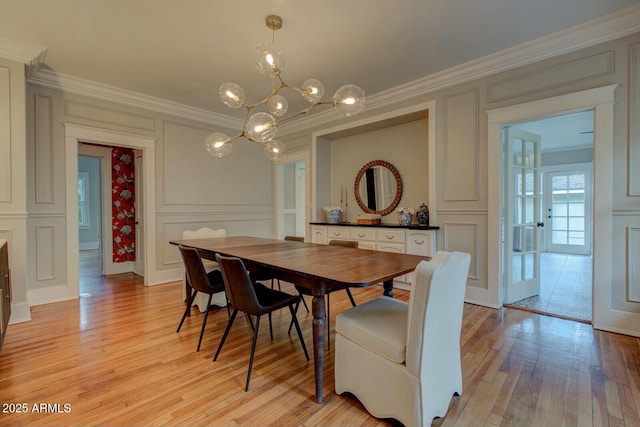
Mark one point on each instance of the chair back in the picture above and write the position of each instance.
(344, 243)
(195, 271)
(294, 238)
(240, 290)
(435, 315)
(203, 233)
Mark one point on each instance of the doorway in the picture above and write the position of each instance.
(548, 210)
(292, 194)
(74, 134)
(90, 219)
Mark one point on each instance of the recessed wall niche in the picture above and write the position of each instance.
(406, 140)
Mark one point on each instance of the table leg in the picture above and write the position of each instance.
(388, 288)
(318, 311)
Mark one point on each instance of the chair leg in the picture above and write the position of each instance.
(296, 312)
(294, 318)
(328, 323)
(187, 311)
(253, 350)
(270, 326)
(279, 287)
(226, 332)
(304, 303)
(204, 322)
(353, 302)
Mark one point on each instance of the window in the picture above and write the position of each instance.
(83, 200)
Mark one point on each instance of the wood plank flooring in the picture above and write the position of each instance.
(114, 358)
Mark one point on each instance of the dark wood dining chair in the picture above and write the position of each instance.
(306, 291)
(199, 281)
(253, 299)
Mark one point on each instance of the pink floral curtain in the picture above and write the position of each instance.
(123, 201)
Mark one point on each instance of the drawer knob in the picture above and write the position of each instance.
(390, 237)
(418, 243)
(361, 235)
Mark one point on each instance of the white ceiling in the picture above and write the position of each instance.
(182, 51)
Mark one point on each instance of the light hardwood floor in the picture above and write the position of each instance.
(114, 357)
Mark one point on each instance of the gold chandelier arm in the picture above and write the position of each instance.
(305, 111)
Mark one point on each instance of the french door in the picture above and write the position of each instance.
(568, 200)
(522, 214)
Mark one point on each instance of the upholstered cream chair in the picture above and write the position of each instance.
(402, 360)
(201, 300)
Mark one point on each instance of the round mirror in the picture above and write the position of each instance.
(378, 187)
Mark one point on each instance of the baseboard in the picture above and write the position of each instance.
(20, 313)
(48, 295)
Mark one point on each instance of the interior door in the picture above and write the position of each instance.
(568, 201)
(291, 200)
(138, 265)
(522, 212)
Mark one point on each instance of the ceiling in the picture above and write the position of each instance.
(183, 51)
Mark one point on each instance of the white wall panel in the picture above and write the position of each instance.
(461, 140)
(463, 237)
(633, 263)
(43, 149)
(45, 250)
(83, 110)
(634, 120)
(553, 77)
(5, 134)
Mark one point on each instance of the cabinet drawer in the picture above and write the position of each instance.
(361, 234)
(319, 235)
(341, 233)
(390, 247)
(419, 243)
(390, 236)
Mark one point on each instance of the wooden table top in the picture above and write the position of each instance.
(315, 262)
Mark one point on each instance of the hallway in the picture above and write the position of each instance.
(565, 287)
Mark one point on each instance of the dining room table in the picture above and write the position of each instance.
(315, 266)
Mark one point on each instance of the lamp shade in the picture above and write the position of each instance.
(218, 144)
(349, 100)
(261, 127)
(232, 95)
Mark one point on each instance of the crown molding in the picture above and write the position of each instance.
(78, 86)
(30, 54)
(590, 33)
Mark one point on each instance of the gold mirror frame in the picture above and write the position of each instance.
(396, 175)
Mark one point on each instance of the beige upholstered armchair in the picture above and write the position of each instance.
(402, 360)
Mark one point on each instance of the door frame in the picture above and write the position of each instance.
(74, 134)
(601, 100)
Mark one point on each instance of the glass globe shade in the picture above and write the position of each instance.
(274, 149)
(218, 144)
(261, 127)
(232, 95)
(269, 59)
(278, 105)
(312, 90)
(349, 100)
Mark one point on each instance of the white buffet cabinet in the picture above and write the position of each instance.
(405, 240)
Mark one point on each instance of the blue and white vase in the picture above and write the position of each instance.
(333, 217)
(404, 218)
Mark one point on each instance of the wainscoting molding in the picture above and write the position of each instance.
(463, 237)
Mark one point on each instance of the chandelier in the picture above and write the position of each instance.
(261, 127)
